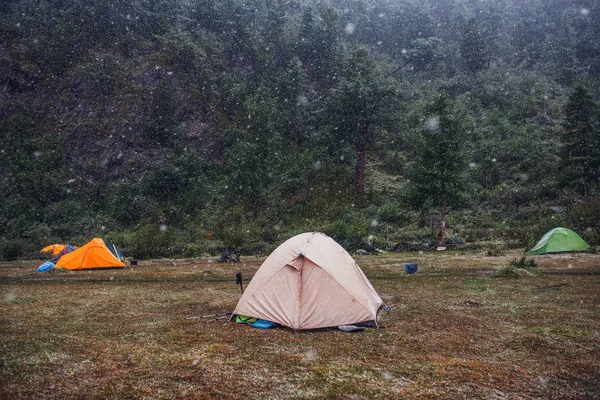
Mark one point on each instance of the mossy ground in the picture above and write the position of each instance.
(459, 328)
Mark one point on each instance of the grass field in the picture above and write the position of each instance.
(465, 326)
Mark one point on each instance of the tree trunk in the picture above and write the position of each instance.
(359, 176)
(585, 190)
(443, 217)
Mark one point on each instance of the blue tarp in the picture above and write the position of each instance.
(47, 266)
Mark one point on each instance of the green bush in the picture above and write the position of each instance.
(523, 262)
(392, 213)
(192, 250)
(12, 249)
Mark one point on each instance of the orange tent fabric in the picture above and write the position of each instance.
(54, 248)
(310, 282)
(94, 254)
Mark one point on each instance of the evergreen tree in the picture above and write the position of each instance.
(564, 54)
(437, 175)
(581, 141)
(472, 47)
(319, 44)
(363, 101)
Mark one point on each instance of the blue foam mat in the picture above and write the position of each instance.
(263, 324)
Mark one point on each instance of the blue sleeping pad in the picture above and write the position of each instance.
(45, 267)
(263, 324)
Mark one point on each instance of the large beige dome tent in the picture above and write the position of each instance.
(310, 282)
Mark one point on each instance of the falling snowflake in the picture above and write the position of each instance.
(302, 100)
(433, 123)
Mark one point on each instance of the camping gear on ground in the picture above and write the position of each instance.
(559, 240)
(45, 267)
(239, 281)
(310, 282)
(213, 316)
(263, 324)
(94, 254)
(411, 268)
(53, 248)
(351, 328)
(456, 240)
(242, 319)
(229, 256)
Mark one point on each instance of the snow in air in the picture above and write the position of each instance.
(302, 100)
(163, 227)
(350, 27)
(433, 123)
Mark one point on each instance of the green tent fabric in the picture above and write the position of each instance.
(559, 240)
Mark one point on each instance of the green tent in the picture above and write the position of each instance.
(559, 240)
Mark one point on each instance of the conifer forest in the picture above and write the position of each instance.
(176, 128)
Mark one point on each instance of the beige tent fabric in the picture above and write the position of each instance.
(310, 282)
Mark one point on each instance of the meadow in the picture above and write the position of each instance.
(467, 325)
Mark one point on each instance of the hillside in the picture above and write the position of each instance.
(178, 128)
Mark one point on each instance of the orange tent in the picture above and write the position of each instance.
(54, 248)
(94, 254)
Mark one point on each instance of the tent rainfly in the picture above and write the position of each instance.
(53, 248)
(559, 240)
(310, 282)
(94, 254)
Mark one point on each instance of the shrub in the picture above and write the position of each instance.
(523, 262)
(494, 251)
(12, 249)
(391, 213)
(507, 272)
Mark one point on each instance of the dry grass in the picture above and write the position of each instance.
(466, 326)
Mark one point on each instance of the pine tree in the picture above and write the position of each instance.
(362, 102)
(319, 42)
(564, 54)
(581, 141)
(472, 47)
(437, 176)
